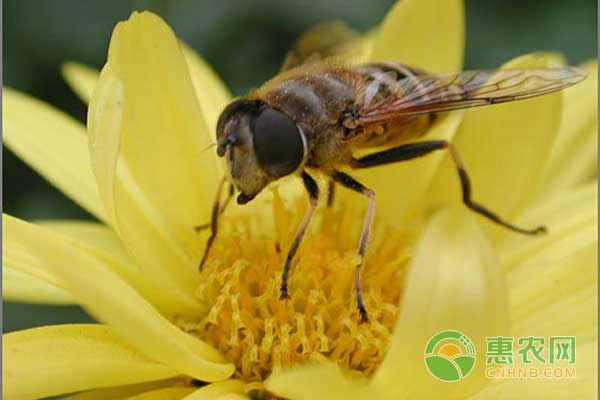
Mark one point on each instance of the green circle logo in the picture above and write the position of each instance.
(450, 356)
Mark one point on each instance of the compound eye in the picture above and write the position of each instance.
(278, 143)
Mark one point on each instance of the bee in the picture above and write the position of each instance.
(316, 115)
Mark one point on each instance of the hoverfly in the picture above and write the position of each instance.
(315, 115)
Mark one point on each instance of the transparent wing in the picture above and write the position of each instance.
(329, 39)
(426, 94)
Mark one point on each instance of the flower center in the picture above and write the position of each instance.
(258, 332)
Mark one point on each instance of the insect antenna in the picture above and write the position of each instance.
(209, 146)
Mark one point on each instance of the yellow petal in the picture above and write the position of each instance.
(142, 228)
(25, 281)
(553, 291)
(27, 284)
(53, 144)
(454, 283)
(161, 131)
(80, 78)
(553, 280)
(126, 391)
(146, 135)
(111, 300)
(560, 296)
(233, 396)
(211, 92)
(313, 381)
(571, 220)
(52, 360)
(103, 120)
(101, 242)
(174, 393)
(425, 33)
(217, 390)
(574, 156)
(504, 148)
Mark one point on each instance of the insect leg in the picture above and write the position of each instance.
(313, 192)
(200, 228)
(216, 211)
(330, 193)
(415, 150)
(351, 183)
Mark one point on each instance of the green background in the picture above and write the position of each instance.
(245, 42)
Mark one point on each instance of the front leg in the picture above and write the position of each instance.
(313, 193)
(200, 228)
(214, 220)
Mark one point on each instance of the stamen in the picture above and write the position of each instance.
(258, 332)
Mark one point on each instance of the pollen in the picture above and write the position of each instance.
(255, 330)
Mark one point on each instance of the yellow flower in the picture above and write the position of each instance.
(168, 331)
